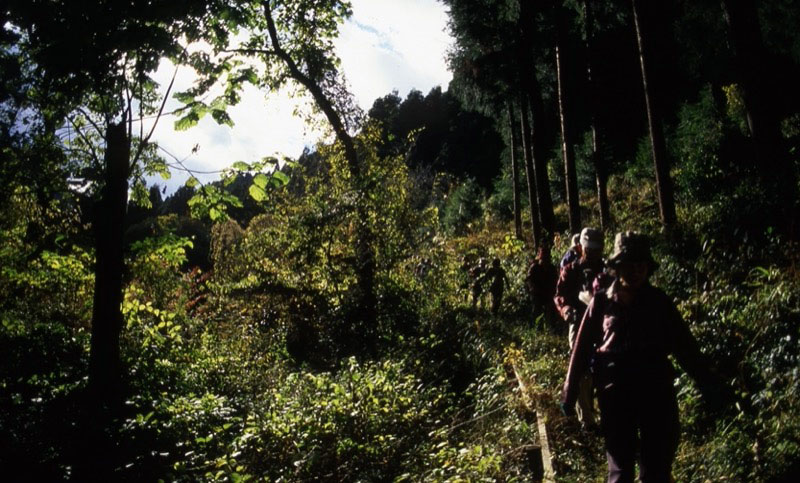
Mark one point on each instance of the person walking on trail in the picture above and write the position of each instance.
(540, 280)
(574, 291)
(497, 279)
(625, 338)
(573, 253)
(476, 273)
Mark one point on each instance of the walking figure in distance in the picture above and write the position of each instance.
(497, 279)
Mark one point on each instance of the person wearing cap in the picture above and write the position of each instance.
(573, 253)
(540, 280)
(625, 338)
(574, 289)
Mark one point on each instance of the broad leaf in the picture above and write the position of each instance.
(257, 193)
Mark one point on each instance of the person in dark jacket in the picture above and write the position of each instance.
(625, 338)
(573, 253)
(477, 273)
(497, 279)
(540, 280)
(574, 289)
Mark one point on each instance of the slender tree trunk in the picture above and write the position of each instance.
(536, 226)
(538, 144)
(567, 152)
(601, 183)
(666, 200)
(515, 172)
(774, 166)
(598, 161)
(105, 369)
(364, 250)
(538, 134)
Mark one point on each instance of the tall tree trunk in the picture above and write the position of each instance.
(539, 147)
(598, 160)
(567, 152)
(515, 172)
(774, 166)
(364, 250)
(538, 133)
(666, 199)
(105, 369)
(536, 226)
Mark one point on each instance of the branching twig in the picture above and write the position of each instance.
(94, 156)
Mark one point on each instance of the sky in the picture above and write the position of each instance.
(386, 45)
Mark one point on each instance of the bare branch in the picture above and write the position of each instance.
(182, 167)
(143, 142)
(251, 52)
(95, 158)
(86, 115)
(325, 105)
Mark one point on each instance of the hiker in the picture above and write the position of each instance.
(573, 253)
(497, 279)
(624, 339)
(540, 280)
(476, 273)
(574, 291)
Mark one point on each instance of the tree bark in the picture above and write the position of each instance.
(567, 152)
(515, 173)
(597, 159)
(538, 132)
(539, 147)
(105, 367)
(773, 163)
(536, 226)
(666, 199)
(364, 251)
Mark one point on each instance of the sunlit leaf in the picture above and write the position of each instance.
(261, 180)
(281, 177)
(241, 166)
(215, 214)
(257, 193)
(187, 121)
(184, 97)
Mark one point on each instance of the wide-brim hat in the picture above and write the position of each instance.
(632, 247)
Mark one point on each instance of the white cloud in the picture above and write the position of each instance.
(393, 44)
(386, 45)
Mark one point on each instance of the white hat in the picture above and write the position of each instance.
(591, 238)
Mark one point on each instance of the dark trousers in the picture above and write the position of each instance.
(641, 416)
(497, 299)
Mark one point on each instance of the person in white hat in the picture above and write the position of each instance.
(625, 338)
(574, 290)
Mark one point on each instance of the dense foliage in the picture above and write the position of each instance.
(244, 352)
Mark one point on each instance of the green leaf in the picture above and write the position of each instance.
(257, 193)
(192, 182)
(222, 117)
(281, 177)
(215, 214)
(261, 180)
(184, 97)
(187, 121)
(241, 166)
